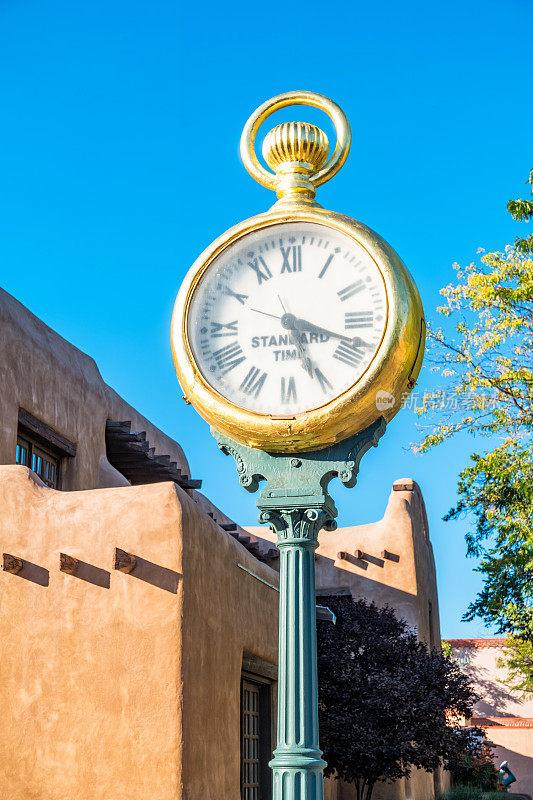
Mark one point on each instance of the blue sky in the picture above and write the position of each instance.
(119, 163)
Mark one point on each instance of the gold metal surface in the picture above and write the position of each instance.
(398, 359)
(315, 177)
(295, 141)
(295, 151)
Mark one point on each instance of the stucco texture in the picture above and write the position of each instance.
(228, 613)
(515, 745)
(105, 675)
(509, 714)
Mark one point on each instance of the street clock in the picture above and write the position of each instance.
(298, 327)
(296, 334)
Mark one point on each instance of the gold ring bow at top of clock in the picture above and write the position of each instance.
(296, 151)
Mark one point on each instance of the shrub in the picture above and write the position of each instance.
(476, 771)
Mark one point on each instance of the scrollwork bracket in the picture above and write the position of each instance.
(295, 500)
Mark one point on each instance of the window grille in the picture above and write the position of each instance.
(251, 724)
(258, 678)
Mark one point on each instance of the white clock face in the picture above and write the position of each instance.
(287, 318)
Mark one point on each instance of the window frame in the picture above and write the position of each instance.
(35, 453)
(265, 686)
(37, 440)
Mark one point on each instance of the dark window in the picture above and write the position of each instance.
(256, 752)
(41, 448)
(41, 461)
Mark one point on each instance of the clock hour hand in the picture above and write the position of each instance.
(305, 361)
(292, 322)
(295, 338)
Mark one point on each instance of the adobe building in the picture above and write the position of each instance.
(139, 622)
(504, 714)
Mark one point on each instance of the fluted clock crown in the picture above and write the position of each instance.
(295, 151)
(295, 142)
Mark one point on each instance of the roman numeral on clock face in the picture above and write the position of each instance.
(240, 297)
(224, 328)
(351, 289)
(326, 265)
(229, 357)
(288, 390)
(260, 268)
(348, 354)
(359, 319)
(323, 381)
(253, 382)
(292, 259)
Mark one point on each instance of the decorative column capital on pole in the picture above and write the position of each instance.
(295, 525)
(295, 502)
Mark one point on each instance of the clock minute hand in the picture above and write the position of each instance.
(265, 313)
(304, 325)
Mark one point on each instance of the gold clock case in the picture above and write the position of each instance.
(377, 392)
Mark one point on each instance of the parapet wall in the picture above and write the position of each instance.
(47, 376)
(90, 672)
(117, 684)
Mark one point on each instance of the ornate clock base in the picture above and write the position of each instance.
(296, 504)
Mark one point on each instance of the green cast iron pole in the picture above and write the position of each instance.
(296, 504)
(297, 764)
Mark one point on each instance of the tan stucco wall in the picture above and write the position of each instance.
(407, 582)
(227, 612)
(61, 386)
(104, 675)
(515, 745)
(90, 674)
(479, 659)
(491, 680)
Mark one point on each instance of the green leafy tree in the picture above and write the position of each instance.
(522, 210)
(484, 357)
(446, 649)
(386, 703)
(518, 660)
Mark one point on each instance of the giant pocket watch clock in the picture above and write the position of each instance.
(300, 326)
